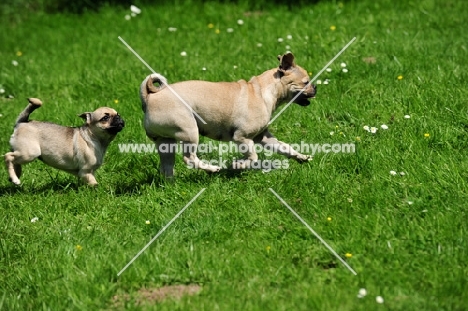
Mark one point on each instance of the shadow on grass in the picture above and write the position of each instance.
(155, 179)
(133, 184)
(56, 186)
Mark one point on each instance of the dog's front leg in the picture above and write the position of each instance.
(247, 148)
(271, 143)
(87, 176)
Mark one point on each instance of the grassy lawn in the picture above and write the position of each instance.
(405, 234)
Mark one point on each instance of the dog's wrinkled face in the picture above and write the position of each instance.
(296, 80)
(105, 120)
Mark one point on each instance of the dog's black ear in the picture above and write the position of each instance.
(286, 61)
(86, 116)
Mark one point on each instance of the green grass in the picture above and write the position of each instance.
(237, 241)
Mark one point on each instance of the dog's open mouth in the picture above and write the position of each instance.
(303, 99)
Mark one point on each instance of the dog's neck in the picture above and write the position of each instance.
(93, 139)
(274, 94)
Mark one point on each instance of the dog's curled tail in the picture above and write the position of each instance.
(147, 87)
(23, 117)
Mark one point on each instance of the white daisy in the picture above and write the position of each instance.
(407, 116)
(379, 299)
(384, 127)
(319, 82)
(134, 9)
(240, 22)
(230, 30)
(402, 174)
(34, 219)
(289, 37)
(393, 173)
(343, 65)
(2, 90)
(127, 17)
(14, 63)
(366, 127)
(183, 53)
(373, 130)
(259, 45)
(280, 39)
(344, 70)
(328, 69)
(325, 82)
(172, 29)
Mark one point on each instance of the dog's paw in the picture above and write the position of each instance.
(212, 169)
(16, 181)
(301, 158)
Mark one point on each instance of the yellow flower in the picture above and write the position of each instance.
(400, 77)
(348, 255)
(310, 73)
(19, 53)
(329, 218)
(79, 247)
(358, 138)
(210, 25)
(217, 31)
(268, 248)
(426, 135)
(116, 101)
(147, 222)
(333, 27)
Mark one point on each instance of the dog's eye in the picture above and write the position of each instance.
(105, 118)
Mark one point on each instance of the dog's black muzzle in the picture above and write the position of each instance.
(116, 125)
(303, 98)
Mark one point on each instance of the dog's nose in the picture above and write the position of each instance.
(314, 89)
(118, 121)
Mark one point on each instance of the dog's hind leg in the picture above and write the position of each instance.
(12, 168)
(167, 148)
(13, 161)
(18, 170)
